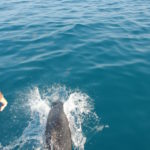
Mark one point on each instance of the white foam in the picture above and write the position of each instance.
(76, 107)
(79, 109)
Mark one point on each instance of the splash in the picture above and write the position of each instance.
(78, 107)
(79, 111)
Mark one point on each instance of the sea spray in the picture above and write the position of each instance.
(78, 107)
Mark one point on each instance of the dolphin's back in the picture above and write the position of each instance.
(58, 136)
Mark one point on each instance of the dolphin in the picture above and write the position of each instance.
(57, 133)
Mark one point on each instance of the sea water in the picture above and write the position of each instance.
(93, 55)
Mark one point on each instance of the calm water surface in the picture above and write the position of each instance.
(99, 47)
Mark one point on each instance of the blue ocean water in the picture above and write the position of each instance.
(97, 47)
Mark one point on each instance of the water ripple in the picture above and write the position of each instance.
(102, 47)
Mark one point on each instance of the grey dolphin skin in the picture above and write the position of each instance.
(58, 135)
